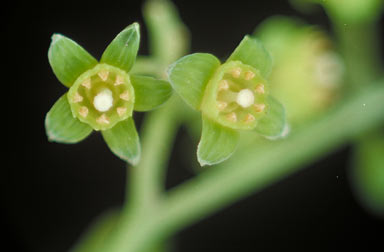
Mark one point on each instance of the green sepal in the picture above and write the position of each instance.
(123, 141)
(61, 126)
(251, 52)
(169, 37)
(273, 123)
(122, 51)
(217, 143)
(68, 59)
(149, 92)
(190, 75)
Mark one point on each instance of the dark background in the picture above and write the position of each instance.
(50, 192)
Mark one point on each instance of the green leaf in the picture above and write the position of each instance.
(251, 51)
(169, 37)
(68, 59)
(61, 126)
(217, 143)
(150, 93)
(122, 51)
(273, 124)
(123, 141)
(190, 75)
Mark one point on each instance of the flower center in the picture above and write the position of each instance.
(102, 97)
(103, 101)
(245, 98)
(239, 96)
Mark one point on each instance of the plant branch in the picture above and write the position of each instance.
(251, 171)
(146, 180)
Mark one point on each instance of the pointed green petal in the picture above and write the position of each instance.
(122, 51)
(68, 59)
(217, 143)
(190, 75)
(149, 92)
(62, 127)
(250, 51)
(123, 141)
(273, 124)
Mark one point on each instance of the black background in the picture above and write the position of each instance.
(50, 192)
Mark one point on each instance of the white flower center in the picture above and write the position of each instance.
(103, 101)
(245, 98)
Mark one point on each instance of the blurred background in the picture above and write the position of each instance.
(51, 192)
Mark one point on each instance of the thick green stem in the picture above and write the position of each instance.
(251, 171)
(360, 46)
(146, 180)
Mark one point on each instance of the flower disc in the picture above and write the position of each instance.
(102, 97)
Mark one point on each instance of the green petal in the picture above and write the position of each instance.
(251, 51)
(68, 59)
(168, 36)
(122, 51)
(62, 127)
(217, 143)
(190, 75)
(123, 141)
(150, 92)
(273, 124)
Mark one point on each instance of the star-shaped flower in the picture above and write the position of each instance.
(231, 96)
(102, 95)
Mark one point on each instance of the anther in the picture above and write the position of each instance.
(249, 118)
(77, 98)
(83, 111)
(259, 107)
(87, 83)
(103, 119)
(260, 89)
(249, 75)
(232, 117)
(121, 110)
(221, 105)
(125, 96)
(236, 72)
(103, 74)
(119, 80)
(223, 85)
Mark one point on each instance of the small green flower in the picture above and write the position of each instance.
(102, 95)
(307, 73)
(231, 96)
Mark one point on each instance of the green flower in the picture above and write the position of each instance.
(231, 96)
(102, 95)
(307, 73)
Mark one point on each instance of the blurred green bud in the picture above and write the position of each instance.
(307, 72)
(231, 96)
(367, 173)
(346, 10)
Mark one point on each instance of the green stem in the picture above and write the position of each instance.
(250, 171)
(360, 47)
(146, 180)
